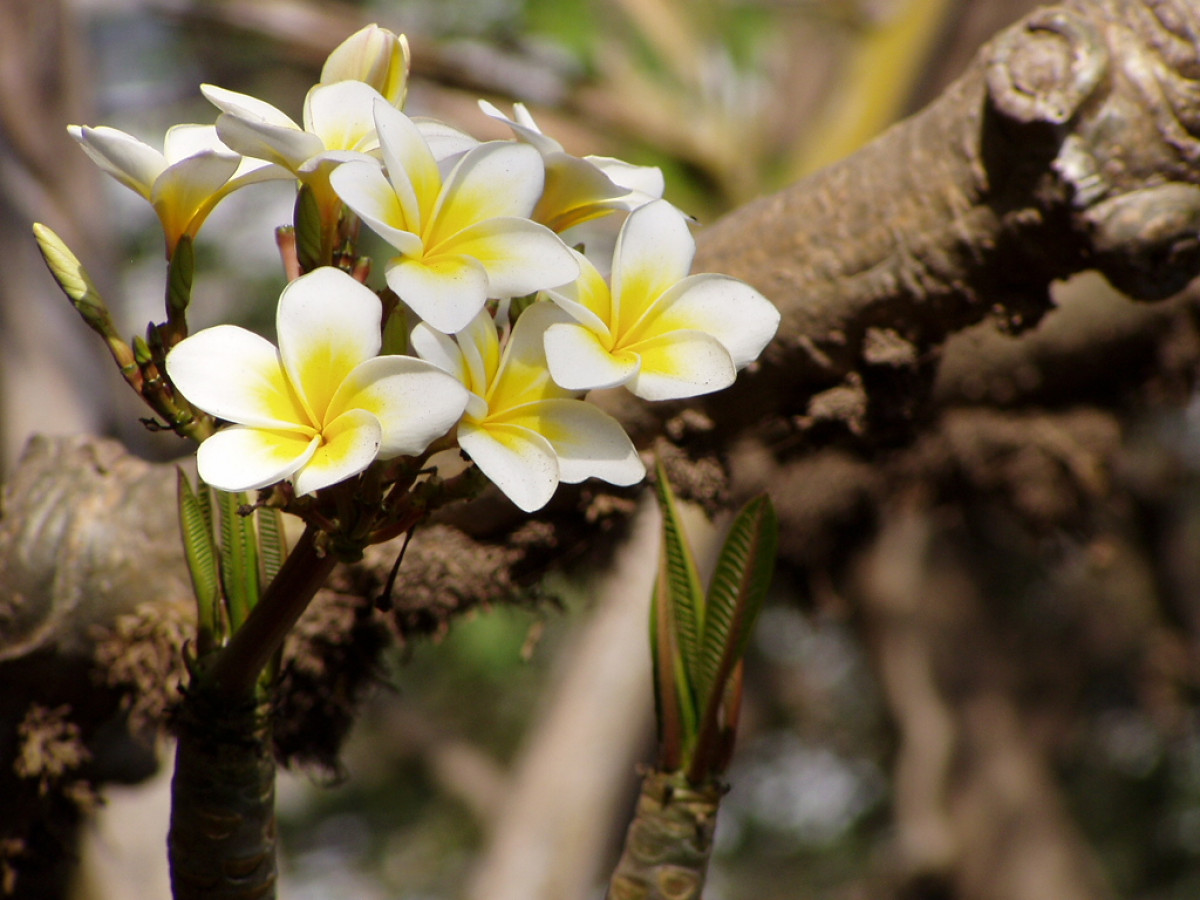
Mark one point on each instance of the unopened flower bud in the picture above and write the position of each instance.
(73, 278)
(374, 55)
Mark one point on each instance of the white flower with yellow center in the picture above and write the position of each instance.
(183, 183)
(463, 236)
(579, 189)
(338, 126)
(320, 408)
(658, 331)
(524, 432)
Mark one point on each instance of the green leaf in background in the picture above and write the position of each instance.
(272, 543)
(737, 592)
(735, 598)
(698, 639)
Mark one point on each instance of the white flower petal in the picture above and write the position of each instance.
(287, 147)
(518, 461)
(331, 159)
(238, 458)
(586, 299)
(576, 191)
(579, 362)
(523, 127)
(598, 238)
(349, 444)
(589, 443)
(243, 106)
(519, 256)
(445, 141)
(410, 164)
(480, 348)
(435, 347)
(236, 375)
(342, 115)
(133, 163)
(364, 188)
(253, 171)
(654, 251)
(327, 324)
(498, 178)
(523, 376)
(414, 401)
(644, 183)
(186, 186)
(255, 128)
(730, 310)
(681, 364)
(445, 291)
(182, 141)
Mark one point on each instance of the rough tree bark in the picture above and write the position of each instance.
(1071, 143)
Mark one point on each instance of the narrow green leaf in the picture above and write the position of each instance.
(674, 705)
(204, 495)
(179, 277)
(239, 558)
(686, 591)
(735, 598)
(201, 555)
(272, 543)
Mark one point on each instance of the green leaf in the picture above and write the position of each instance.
(307, 218)
(674, 734)
(735, 598)
(239, 558)
(395, 333)
(272, 543)
(195, 523)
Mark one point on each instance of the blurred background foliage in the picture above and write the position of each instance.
(732, 98)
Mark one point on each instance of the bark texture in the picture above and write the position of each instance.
(222, 838)
(669, 842)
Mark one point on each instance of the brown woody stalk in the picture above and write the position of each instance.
(222, 839)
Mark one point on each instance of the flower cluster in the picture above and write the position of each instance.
(511, 309)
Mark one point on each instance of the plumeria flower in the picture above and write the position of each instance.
(462, 238)
(320, 408)
(579, 189)
(183, 183)
(662, 333)
(524, 432)
(338, 126)
(373, 55)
